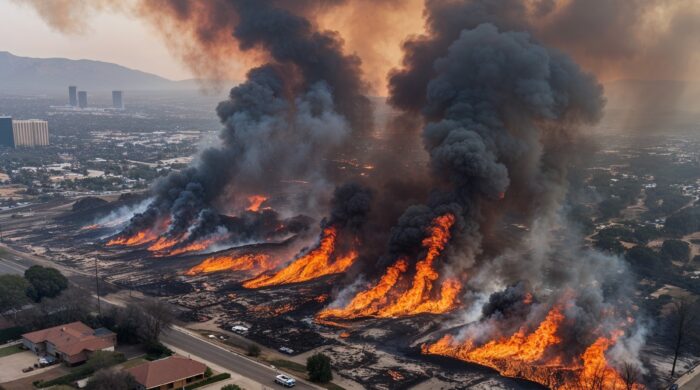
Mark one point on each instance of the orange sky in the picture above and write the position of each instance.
(127, 39)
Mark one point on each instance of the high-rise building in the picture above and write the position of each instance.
(32, 132)
(117, 99)
(6, 134)
(82, 99)
(73, 95)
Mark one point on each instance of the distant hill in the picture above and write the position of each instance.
(53, 74)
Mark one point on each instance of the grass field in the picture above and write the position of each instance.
(12, 349)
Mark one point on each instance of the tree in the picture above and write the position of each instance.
(631, 374)
(127, 324)
(13, 292)
(45, 282)
(675, 250)
(684, 317)
(156, 316)
(645, 261)
(231, 387)
(319, 368)
(609, 244)
(112, 379)
(70, 306)
(253, 350)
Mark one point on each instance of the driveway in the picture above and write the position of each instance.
(12, 366)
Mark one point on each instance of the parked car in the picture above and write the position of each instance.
(286, 350)
(46, 360)
(285, 380)
(239, 329)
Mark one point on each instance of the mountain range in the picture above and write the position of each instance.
(47, 75)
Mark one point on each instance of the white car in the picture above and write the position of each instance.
(286, 350)
(285, 380)
(239, 329)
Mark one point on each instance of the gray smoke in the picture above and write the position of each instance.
(283, 123)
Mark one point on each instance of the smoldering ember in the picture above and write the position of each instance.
(497, 220)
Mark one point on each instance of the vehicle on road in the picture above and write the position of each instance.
(285, 380)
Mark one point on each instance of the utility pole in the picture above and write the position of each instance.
(97, 289)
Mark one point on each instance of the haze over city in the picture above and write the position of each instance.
(391, 194)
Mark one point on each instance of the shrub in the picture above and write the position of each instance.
(319, 368)
(155, 351)
(253, 350)
(675, 250)
(211, 379)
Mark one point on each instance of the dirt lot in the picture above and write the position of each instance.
(12, 369)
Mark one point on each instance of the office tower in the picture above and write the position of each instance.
(31, 132)
(6, 134)
(82, 99)
(117, 99)
(73, 95)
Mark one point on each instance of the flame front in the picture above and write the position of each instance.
(316, 263)
(255, 201)
(387, 299)
(163, 243)
(252, 261)
(533, 357)
(141, 237)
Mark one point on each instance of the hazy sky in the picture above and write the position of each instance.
(109, 36)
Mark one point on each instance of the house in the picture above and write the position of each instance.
(173, 372)
(72, 343)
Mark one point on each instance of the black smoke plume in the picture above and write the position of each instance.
(283, 123)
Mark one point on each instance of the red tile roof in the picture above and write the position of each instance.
(168, 370)
(71, 339)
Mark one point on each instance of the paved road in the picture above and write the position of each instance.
(11, 264)
(690, 381)
(226, 359)
(180, 338)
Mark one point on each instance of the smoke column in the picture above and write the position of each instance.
(284, 122)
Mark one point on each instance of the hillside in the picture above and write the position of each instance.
(53, 74)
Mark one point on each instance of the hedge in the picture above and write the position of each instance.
(10, 334)
(210, 380)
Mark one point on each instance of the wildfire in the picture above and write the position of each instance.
(163, 243)
(247, 262)
(531, 356)
(316, 263)
(91, 227)
(255, 201)
(386, 299)
(141, 237)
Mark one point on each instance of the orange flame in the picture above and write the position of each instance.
(247, 262)
(314, 264)
(142, 237)
(163, 243)
(531, 356)
(255, 201)
(383, 299)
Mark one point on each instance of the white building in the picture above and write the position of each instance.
(32, 132)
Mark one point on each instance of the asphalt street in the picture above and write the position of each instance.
(14, 264)
(224, 358)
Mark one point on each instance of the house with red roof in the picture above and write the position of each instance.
(72, 343)
(174, 372)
